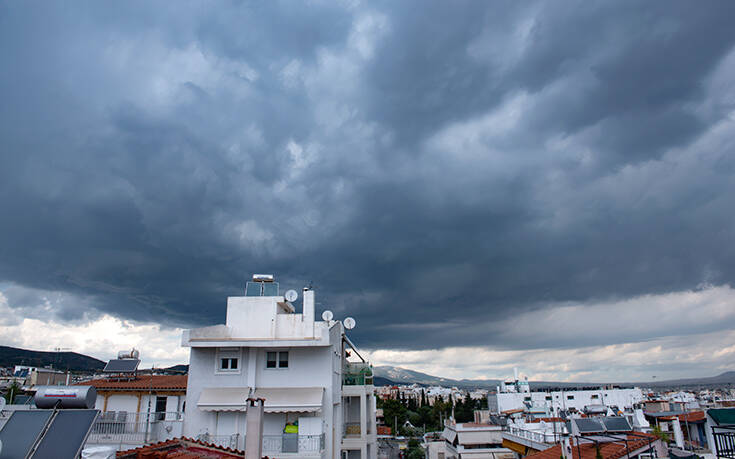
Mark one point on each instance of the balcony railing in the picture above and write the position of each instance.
(129, 428)
(292, 443)
(272, 444)
(357, 374)
(226, 441)
(539, 437)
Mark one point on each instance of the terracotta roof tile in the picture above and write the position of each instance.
(156, 382)
(181, 448)
(608, 450)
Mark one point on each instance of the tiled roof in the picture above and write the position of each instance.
(181, 448)
(155, 382)
(608, 450)
(552, 419)
(694, 416)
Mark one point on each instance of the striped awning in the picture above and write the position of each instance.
(290, 399)
(223, 399)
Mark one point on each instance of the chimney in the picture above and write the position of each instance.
(254, 428)
(566, 447)
(308, 303)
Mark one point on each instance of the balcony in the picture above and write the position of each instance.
(357, 374)
(135, 429)
(283, 444)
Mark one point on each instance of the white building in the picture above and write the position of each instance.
(555, 402)
(317, 403)
(476, 441)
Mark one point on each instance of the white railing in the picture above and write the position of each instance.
(539, 437)
(292, 443)
(127, 428)
(227, 441)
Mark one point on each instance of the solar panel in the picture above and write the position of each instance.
(270, 289)
(122, 366)
(589, 425)
(252, 288)
(616, 424)
(21, 432)
(66, 435)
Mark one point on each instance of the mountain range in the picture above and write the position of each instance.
(383, 375)
(11, 356)
(387, 375)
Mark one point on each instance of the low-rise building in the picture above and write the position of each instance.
(138, 410)
(473, 440)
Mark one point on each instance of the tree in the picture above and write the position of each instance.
(659, 433)
(423, 397)
(12, 392)
(393, 411)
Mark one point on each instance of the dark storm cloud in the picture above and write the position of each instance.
(422, 163)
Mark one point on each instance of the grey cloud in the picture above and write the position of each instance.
(153, 158)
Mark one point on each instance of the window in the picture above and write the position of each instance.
(160, 408)
(594, 396)
(276, 359)
(570, 397)
(548, 397)
(528, 399)
(228, 360)
(228, 363)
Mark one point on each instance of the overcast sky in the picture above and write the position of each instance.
(481, 185)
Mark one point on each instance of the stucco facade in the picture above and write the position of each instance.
(295, 363)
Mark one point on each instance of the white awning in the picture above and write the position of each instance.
(223, 398)
(290, 399)
(449, 434)
(479, 437)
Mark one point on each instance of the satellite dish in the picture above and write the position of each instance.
(349, 323)
(291, 296)
(327, 316)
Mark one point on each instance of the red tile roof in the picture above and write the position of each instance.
(155, 382)
(694, 416)
(608, 450)
(181, 448)
(548, 420)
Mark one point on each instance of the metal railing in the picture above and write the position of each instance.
(539, 437)
(724, 441)
(357, 374)
(272, 444)
(226, 441)
(292, 443)
(122, 427)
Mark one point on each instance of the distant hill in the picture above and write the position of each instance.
(11, 356)
(388, 375)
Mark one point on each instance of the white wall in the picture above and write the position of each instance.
(622, 398)
(124, 403)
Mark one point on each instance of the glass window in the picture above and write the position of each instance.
(270, 360)
(160, 408)
(228, 363)
(570, 397)
(283, 360)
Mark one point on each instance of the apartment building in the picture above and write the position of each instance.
(318, 401)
